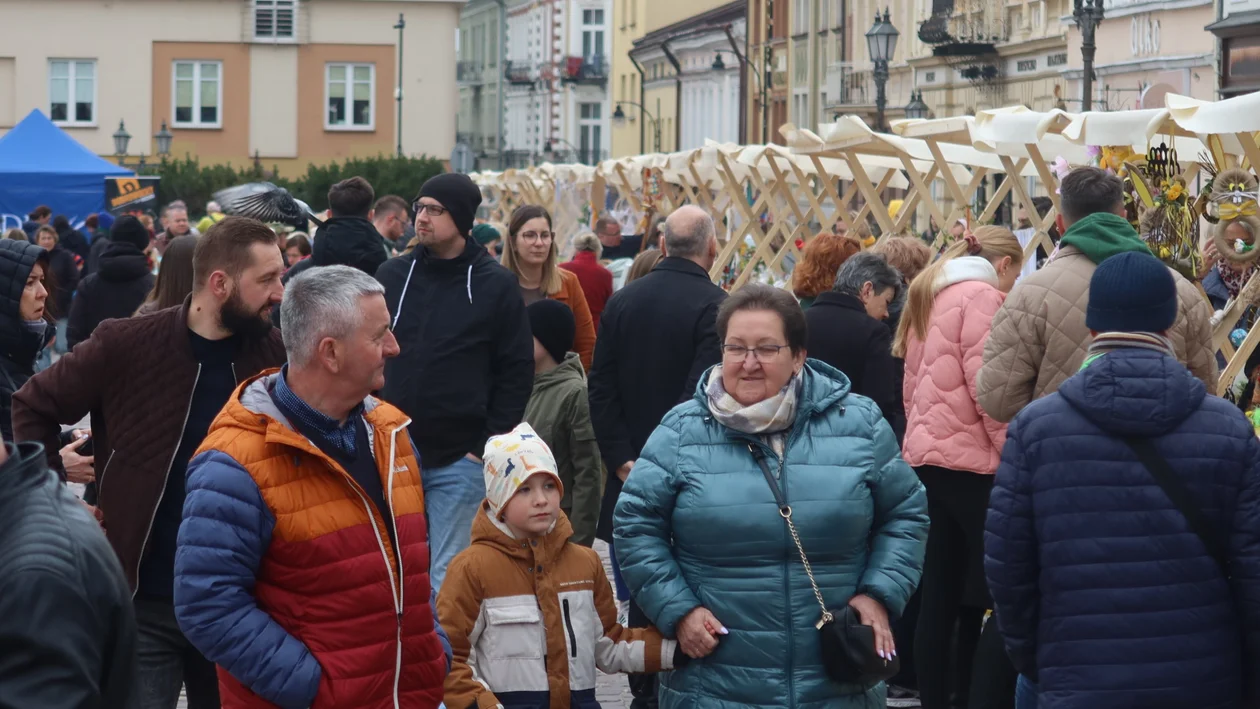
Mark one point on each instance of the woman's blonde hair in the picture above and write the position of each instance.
(991, 243)
(552, 282)
(588, 241)
(16, 235)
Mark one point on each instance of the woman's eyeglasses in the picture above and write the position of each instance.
(763, 353)
(434, 210)
(537, 236)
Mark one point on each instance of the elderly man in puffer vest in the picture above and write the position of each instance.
(303, 561)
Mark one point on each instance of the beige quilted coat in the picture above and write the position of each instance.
(1039, 338)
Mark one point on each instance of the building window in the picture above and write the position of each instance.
(72, 91)
(494, 42)
(592, 33)
(198, 94)
(590, 138)
(350, 91)
(274, 19)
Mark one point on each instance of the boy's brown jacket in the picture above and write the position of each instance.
(530, 620)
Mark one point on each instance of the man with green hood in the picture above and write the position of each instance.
(1039, 337)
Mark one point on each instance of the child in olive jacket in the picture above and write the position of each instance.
(559, 412)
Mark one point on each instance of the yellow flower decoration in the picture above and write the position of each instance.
(1174, 192)
(1115, 157)
(868, 242)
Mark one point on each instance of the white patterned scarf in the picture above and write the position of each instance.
(769, 418)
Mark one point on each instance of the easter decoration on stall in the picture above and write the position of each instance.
(1166, 216)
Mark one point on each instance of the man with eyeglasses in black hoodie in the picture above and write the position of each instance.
(466, 369)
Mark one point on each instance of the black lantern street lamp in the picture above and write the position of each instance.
(164, 138)
(1088, 15)
(619, 120)
(881, 41)
(916, 108)
(121, 139)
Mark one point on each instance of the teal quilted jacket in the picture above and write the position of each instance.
(696, 524)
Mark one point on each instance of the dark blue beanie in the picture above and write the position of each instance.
(1132, 292)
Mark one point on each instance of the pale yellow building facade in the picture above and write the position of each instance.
(291, 82)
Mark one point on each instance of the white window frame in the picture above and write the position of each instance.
(196, 123)
(596, 31)
(350, 126)
(71, 88)
(274, 6)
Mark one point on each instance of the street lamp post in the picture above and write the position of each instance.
(619, 120)
(402, 24)
(550, 147)
(881, 41)
(916, 108)
(1088, 14)
(122, 139)
(719, 65)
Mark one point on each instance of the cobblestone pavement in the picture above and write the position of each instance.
(611, 691)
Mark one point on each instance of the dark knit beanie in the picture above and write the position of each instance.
(129, 230)
(1132, 292)
(458, 194)
(484, 234)
(553, 325)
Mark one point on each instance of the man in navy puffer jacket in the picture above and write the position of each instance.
(1104, 595)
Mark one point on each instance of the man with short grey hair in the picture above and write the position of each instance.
(305, 516)
(847, 331)
(657, 336)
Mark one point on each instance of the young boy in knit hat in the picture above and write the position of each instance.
(558, 411)
(530, 615)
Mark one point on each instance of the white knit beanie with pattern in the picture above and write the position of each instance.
(510, 460)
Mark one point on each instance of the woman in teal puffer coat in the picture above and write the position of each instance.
(705, 552)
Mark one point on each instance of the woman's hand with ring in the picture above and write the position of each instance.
(698, 633)
(873, 614)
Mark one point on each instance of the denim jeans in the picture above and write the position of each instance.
(1025, 694)
(452, 496)
(166, 661)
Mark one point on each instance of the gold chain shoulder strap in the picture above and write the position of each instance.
(785, 511)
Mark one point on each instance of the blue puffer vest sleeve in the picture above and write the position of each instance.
(696, 524)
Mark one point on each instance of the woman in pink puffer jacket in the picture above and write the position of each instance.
(955, 448)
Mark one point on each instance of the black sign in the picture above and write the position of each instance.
(130, 194)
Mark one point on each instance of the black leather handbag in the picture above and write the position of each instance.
(848, 647)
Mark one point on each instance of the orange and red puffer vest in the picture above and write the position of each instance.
(327, 573)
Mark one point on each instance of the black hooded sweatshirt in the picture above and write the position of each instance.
(466, 368)
(19, 345)
(119, 286)
(345, 241)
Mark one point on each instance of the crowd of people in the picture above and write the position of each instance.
(368, 468)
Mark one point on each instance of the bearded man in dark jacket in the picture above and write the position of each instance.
(122, 281)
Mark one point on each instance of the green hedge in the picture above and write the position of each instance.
(189, 180)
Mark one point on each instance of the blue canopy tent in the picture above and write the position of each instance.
(42, 164)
